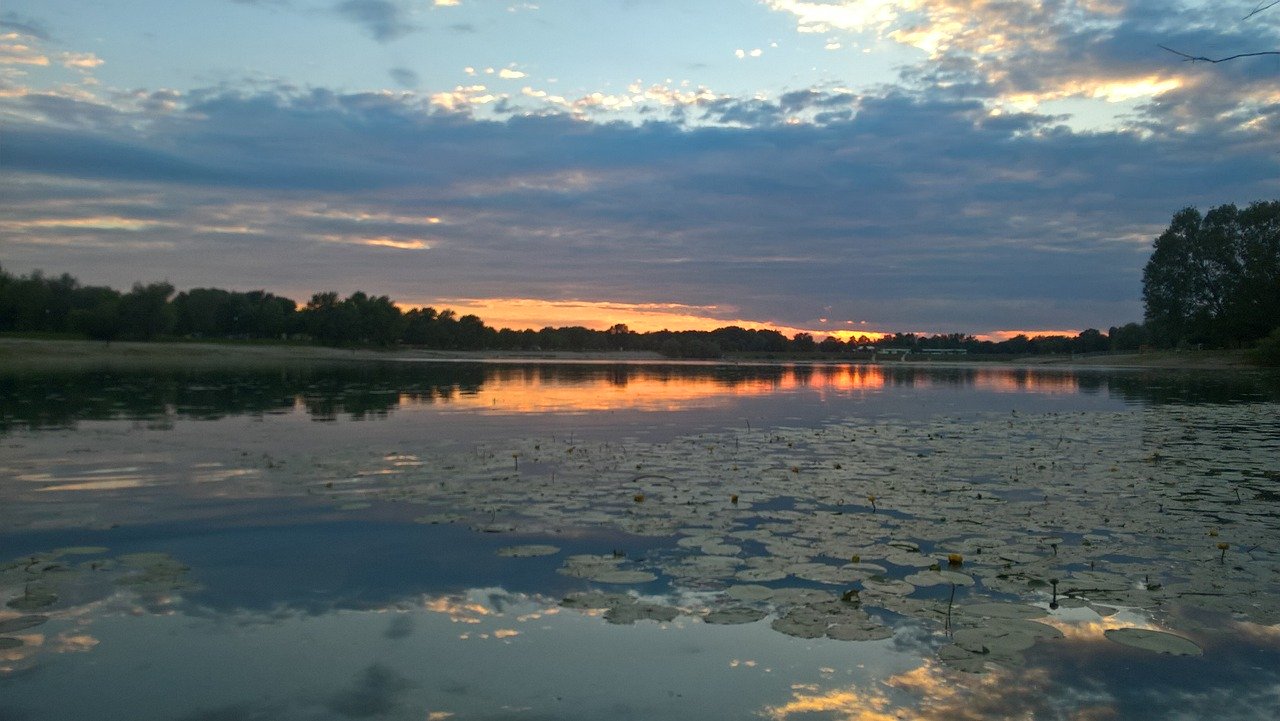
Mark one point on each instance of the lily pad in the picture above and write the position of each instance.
(529, 551)
(587, 566)
(733, 616)
(867, 631)
(1150, 640)
(760, 574)
(898, 588)
(32, 600)
(630, 613)
(936, 578)
(800, 627)
(81, 551)
(962, 660)
(594, 599)
(623, 577)
(1001, 610)
(749, 592)
(21, 623)
(1007, 638)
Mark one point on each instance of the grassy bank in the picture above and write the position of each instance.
(65, 353)
(49, 353)
(1187, 359)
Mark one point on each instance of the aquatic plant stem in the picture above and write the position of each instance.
(950, 602)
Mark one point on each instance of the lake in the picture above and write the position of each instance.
(520, 540)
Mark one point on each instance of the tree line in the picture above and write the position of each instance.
(37, 303)
(1213, 281)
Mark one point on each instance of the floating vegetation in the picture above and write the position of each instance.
(734, 615)
(1001, 643)
(1001, 610)
(32, 598)
(60, 584)
(629, 613)
(621, 608)
(154, 573)
(834, 619)
(594, 600)
(1041, 511)
(22, 623)
(529, 551)
(52, 580)
(1157, 641)
(938, 578)
(620, 576)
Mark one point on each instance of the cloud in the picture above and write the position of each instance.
(1024, 54)
(13, 22)
(81, 61)
(19, 49)
(376, 691)
(907, 208)
(404, 77)
(401, 626)
(384, 20)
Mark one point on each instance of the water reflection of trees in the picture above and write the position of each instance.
(46, 399)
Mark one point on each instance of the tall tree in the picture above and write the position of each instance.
(1215, 279)
(145, 311)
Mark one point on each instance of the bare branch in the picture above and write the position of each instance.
(1263, 6)
(1202, 59)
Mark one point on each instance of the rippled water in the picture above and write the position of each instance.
(532, 541)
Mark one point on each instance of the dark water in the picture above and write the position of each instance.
(299, 586)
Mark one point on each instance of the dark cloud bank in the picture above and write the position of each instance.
(910, 210)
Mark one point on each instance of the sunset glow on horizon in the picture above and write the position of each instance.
(535, 314)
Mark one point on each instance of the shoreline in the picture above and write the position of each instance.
(79, 354)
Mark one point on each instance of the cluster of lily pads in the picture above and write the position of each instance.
(981, 524)
(41, 586)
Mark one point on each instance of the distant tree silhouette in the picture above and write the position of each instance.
(40, 304)
(145, 312)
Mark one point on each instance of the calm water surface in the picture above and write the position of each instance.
(362, 542)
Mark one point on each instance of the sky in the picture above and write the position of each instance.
(834, 166)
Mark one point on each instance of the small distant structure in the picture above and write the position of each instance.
(900, 352)
(944, 351)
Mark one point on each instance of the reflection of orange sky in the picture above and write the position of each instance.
(1001, 380)
(522, 313)
(1094, 630)
(939, 693)
(525, 391)
(852, 704)
(528, 389)
(459, 610)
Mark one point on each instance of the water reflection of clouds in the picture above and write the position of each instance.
(931, 692)
(68, 627)
(1084, 624)
(501, 662)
